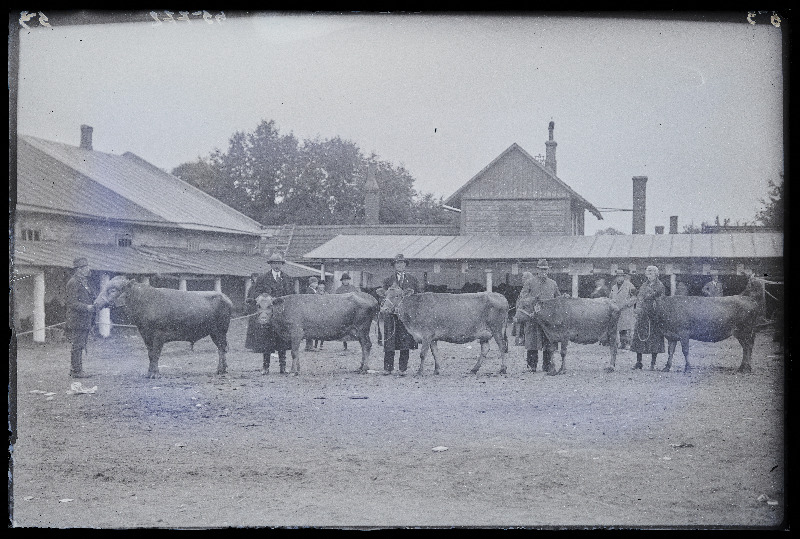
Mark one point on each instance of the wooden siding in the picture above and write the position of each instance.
(517, 217)
(517, 177)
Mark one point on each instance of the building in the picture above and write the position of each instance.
(126, 216)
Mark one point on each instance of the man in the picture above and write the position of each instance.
(313, 283)
(713, 288)
(647, 335)
(541, 287)
(600, 289)
(274, 283)
(345, 288)
(396, 337)
(80, 314)
(623, 293)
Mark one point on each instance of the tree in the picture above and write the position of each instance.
(772, 213)
(610, 231)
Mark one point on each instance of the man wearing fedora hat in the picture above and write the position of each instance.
(541, 287)
(713, 288)
(261, 339)
(80, 314)
(345, 288)
(623, 293)
(395, 333)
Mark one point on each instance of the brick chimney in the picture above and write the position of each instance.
(673, 224)
(639, 204)
(550, 151)
(372, 198)
(86, 137)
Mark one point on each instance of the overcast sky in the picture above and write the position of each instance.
(695, 106)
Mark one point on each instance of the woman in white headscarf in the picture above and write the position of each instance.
(647, 336)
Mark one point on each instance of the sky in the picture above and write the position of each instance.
(695, 106)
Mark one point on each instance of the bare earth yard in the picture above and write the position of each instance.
(337, 449)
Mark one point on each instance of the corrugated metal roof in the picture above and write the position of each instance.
(755, 245)
(148, 260)
(59, 177)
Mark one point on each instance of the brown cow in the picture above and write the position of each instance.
(455, 318)
(711, 319)
(580, 320)
(164, 315)
(327, 317)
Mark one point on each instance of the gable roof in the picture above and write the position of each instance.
(455, 198)
(59, 178)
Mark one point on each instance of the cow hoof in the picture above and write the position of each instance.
(744, 369)
(637, 366)
(665, 369)
(474, 371)
(552, 373)
(294, 374)
(609, 369)
(502, 370)
(436, 372)
(264, 372)
(152, 375)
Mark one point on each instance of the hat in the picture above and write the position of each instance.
(313, 279)
(542, 264)
(79, 263)
(620, 272)
(275, 257)
(399, 258)
(344, 277)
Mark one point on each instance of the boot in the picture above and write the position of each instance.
(76, 367)
(282, 362)
(638, 362)
(533, 359)
(547, 356)
(388, 362)
(403, 360)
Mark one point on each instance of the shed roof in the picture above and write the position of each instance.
(60, 178)
(455, 198)
(756, 245)
(148, 260)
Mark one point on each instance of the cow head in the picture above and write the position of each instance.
(526, 309)
(392, 298)
(268, 307)
(755, 290)
(113, 293)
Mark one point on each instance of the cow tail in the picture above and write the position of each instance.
(505, 337)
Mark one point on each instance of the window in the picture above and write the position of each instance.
(30, 234)
(124, 240)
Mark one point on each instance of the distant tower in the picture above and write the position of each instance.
(372, 198)
(550, 153)
(639, 204)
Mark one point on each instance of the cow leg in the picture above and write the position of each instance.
(221, 341)
(480, 361)
(366, 348)
(685, 350)
(154, 352)
(423, 351)
(671, 345)
(653, 361)
(747, 340)
(614, 347)
(295, 370)
(435, 354)
(484, 351)
(502, 343)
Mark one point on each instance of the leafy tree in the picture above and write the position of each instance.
(610, 231)
(772, 213)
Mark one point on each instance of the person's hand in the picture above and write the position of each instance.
(90, 308)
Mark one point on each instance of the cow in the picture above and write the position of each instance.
(580, 320)
(328, 317)
(711, 319)
(455, 318)
(164, 315)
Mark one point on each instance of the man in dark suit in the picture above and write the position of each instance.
(80, 314)
(274, 283)
(396, 337)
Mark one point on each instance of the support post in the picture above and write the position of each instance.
(489, 280)
(145, 279)
(574, 285)
(673, 283)
(38, 307)
(104, 316)
(218, 284)
(182, 284)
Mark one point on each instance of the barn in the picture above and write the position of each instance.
(126, 216)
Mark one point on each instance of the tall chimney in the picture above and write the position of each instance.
(673, 224)
(660, 229)
(86, 137)
(550, 152)
(639, 195)
(372, 198)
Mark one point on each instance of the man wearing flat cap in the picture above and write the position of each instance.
(623, 293)
(345, 288)
(80, 314)
(274, 283)
(396, 337)
(541, 287)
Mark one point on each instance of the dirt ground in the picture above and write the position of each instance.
(332, 448)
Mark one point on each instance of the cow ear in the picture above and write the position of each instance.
(381, 292)
(407, 292)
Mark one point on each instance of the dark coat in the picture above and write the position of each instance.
(263, 338)
(395, 333)
(647, 336)
(78, 299)
(534, 338)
